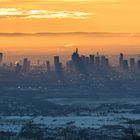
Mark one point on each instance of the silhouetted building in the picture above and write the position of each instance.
(70, 67)
(58, 66)
(138, 64)
(132, 62)
(107, 61)
(104, 61)
(87, 60)
(75, 56)
(83, 59)
(91, 58)
(48, 66)
(125, 64)
(79, 63)
(1, 58)
(121, 58)
(76, 60)
(18, 68)
(97, 60)
(26, 65)
(56, 60)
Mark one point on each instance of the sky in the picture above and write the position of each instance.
(59, 26)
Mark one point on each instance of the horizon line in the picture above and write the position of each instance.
(67, 33)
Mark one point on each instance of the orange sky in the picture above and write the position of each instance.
(53, 16)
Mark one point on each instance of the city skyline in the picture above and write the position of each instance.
(35, 58)
(122, 59)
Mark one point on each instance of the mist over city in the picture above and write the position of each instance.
(69, 70)
(82, 98)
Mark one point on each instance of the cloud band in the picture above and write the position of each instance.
(44, 14)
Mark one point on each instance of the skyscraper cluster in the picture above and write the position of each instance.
(131, 63)
(25, 67)
(92, 64)
(85, 64)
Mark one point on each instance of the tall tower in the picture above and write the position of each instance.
(97, 60)
(125, 64)
(76, 60)
(48, 66)
(138, 64)
(121, 59)
(75, 55)
(56, 61)
(26, 65)
(1, 58)
(76, 50)
(91, 57)
(58, 66)
(132, 62)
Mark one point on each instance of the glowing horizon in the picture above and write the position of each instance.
(38, 24)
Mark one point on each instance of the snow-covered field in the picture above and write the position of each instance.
(86, 101)
(15, 123)
(84, 121)
(109, 113)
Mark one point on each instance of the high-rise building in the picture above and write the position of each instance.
(138, 64)
(76, 60)
(107, 61)
(26, 65)
(18, 68)
(56, 60)
(48, 66)
(75, 56)
(125, 64)
(121, 58)
(1, 58)
(97, 60)
(104, 61)
(132, 62)
(83, 58)
(91, 58)
(87, 60)
(58, 66)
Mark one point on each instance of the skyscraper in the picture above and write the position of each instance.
(138, 64)
(58, 66)
(56, 60)
(1, 58)
(132, 62)
(26, 65)
(18, 68)
(97, 60)
(91, 58)
(121, 59)
(76, 60)
(75, 56)
(79, 62)
(125, 64)
(48, 66)
(104, 61)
